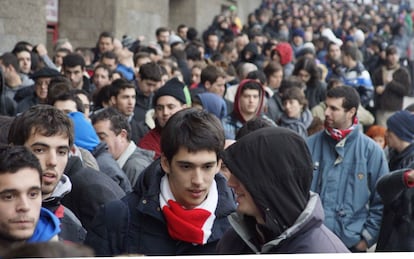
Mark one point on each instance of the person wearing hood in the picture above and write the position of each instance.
(48, 133)
(212, 103)
(21, 215)
(283, 53)
(277, 212)
(248, 104)
(251, 54)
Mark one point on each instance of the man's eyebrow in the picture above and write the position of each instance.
(32, 188)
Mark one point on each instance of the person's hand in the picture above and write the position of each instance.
(41, 49)
(379, 89)
(361, 246)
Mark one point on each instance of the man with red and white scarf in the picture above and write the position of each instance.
(180, 203)
(347, 165)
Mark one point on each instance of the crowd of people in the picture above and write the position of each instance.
(287, 134)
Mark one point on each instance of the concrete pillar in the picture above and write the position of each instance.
(22, 20)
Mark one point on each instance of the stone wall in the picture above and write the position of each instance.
(22, 20)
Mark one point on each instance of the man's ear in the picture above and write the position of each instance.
(124, 133)
(207, 85)
(165, 164)
(112, 100)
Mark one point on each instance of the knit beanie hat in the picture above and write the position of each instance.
(285, 52)
(298, 32)
(85, 134)
(174, 88)
(402, 124)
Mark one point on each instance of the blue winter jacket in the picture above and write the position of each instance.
(345, 174)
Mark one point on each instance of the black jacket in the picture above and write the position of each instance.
(90, 190)
(136, 224)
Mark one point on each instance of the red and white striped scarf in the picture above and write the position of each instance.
(189, 225)
(338, 134)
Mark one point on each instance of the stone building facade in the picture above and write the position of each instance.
(82, 21)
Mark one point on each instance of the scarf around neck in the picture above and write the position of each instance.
(189, 225)
(338, 134)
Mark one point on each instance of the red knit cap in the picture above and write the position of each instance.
(285, 52)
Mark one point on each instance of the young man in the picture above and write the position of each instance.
(180, 204)
(149, 80)
(168, 100)
(347, 165)
(21, 217)
(48, 133)
(73, 68)
(267, 163)
(113, 128)
(247, 105)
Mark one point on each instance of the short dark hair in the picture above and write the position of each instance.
(272, 68)
(42, 119)
(348, 93)
(295, 93)
(68, 96)
(211, 73)
(117, 119)
(73, 60)
(253, 125)
(8, 59)
(15, 158)
(193, 129)
(106, 34)
(150, 71)
(119, 84)
(251, 84)
(109, 55)
(160, 30)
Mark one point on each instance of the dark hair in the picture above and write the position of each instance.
(349, 94)
(257, 75)
(56, 88)
(211, 73)
(49, 250)
(118, 120)
(160, 30)
(119, 84)
(150, 71)
(106, 34)
(193, 129)
(73, 60)
(100, 97)
(272, 68)
(291, 81)
(252, 125)
(140, 55)
(8, 59)
(15, 158)
(253, 85)
(42, 119)
(68, 96)
(109, 55)
(295, 93)
(5, 122)
(310, 66)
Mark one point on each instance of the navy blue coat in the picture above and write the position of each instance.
(136, 225)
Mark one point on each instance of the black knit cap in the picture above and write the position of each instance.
(172, 87)
(45, 72)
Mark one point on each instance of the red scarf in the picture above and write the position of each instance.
(338, 134)
(189, 225)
